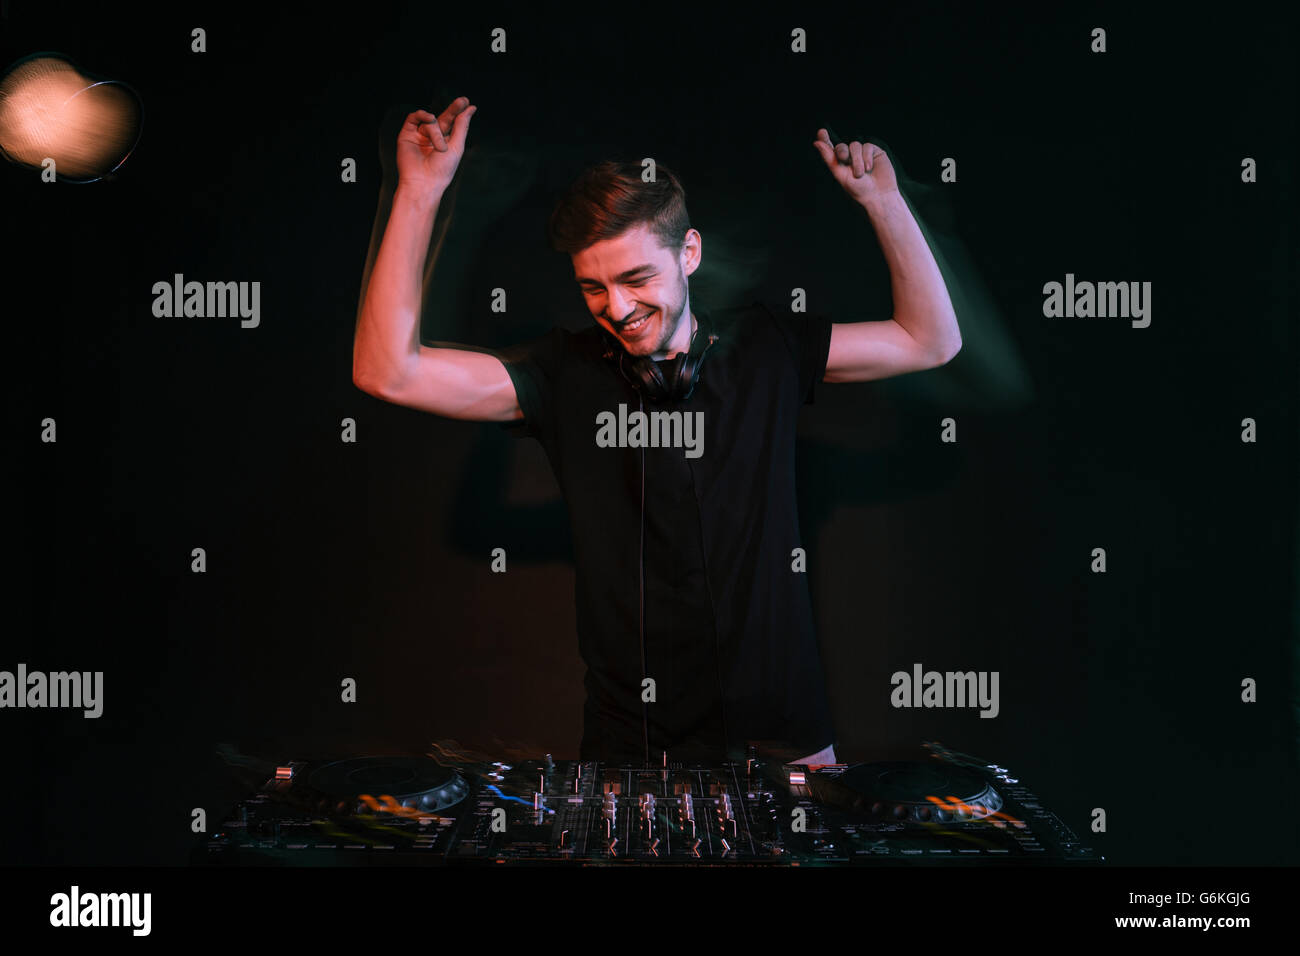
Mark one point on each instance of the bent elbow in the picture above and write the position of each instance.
(368, 385)
(948, 354)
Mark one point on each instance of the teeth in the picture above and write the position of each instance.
(635, 325)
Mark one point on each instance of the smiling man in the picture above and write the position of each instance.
(693, 620)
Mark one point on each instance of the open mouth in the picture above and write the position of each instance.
(635, 324)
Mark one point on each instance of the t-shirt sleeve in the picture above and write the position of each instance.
(533, 367)
(808, 339)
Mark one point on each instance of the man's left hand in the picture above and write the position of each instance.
(862, 169)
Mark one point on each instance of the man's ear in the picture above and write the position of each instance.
(687, 267)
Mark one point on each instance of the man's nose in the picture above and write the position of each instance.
(621, 305)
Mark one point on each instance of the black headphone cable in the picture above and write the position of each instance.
(645, 714)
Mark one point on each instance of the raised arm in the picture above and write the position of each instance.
(923, 332)
(388, 360)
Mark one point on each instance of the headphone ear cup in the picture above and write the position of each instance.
(679, 376)
(646, 378)
(690, 373)
(686, 377)
(653, 379)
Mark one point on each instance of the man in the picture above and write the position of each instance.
(693, 620)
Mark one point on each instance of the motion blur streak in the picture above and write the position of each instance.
(48, 110)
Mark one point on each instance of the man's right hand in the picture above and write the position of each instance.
(388, 360)
(429, 147)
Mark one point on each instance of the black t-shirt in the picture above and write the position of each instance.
(728, 631)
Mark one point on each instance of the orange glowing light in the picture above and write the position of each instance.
(51, 111)
(978, 810)
(387, 803)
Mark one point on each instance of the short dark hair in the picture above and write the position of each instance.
(609, 198)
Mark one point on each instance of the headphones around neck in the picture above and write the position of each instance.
(683, 368)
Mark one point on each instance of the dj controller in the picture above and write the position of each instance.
(449, 808)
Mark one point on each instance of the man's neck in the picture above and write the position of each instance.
(678, 343)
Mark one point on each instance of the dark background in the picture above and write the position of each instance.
(371, 560)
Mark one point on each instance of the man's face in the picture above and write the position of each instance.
(636, 289)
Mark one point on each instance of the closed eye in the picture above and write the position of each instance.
(634, 282)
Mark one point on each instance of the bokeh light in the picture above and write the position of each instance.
(48, 109)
